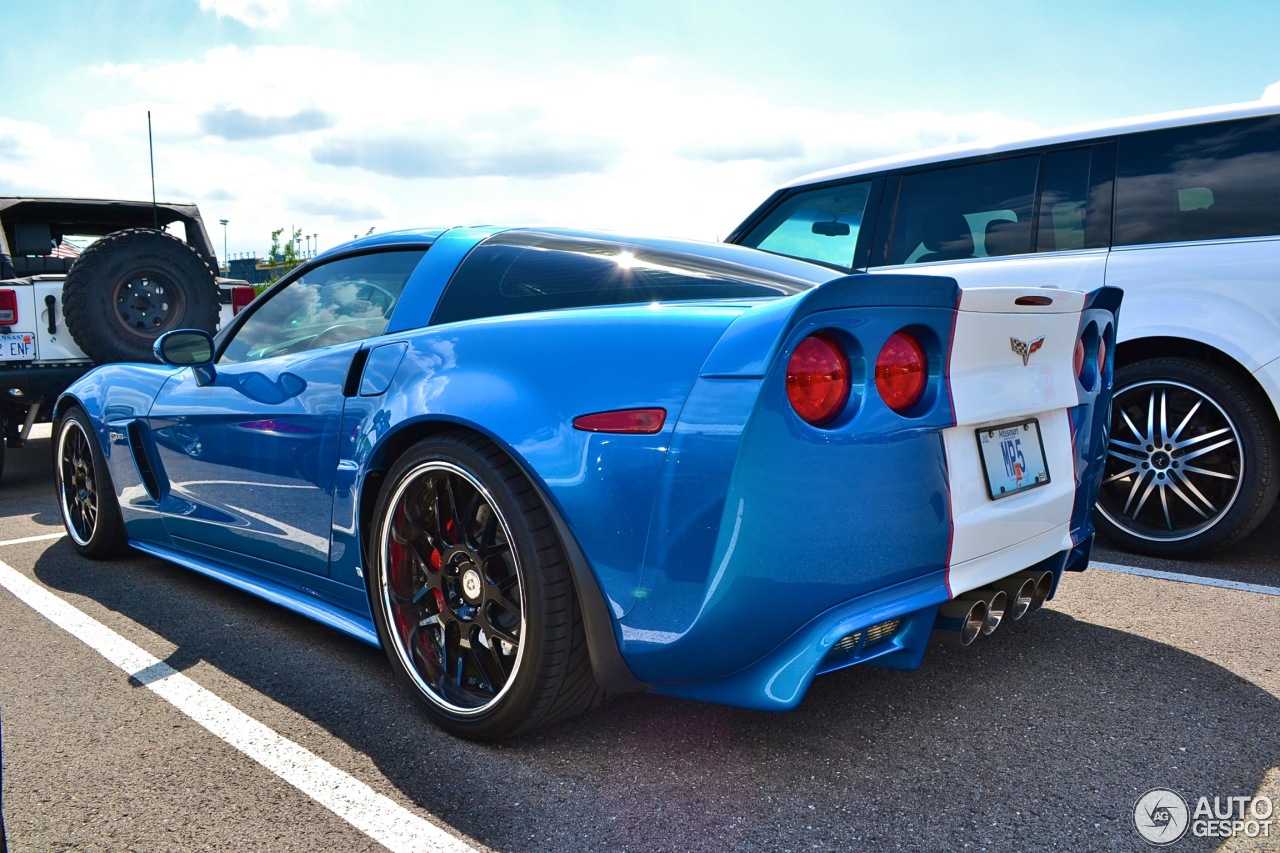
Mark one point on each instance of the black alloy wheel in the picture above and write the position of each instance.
(1189, 459)
(472, 594)
(86, 496)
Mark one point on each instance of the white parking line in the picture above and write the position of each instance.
(1181, 578)
(377, 816)
(26, 539)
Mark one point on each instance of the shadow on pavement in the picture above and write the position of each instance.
(1043, 735)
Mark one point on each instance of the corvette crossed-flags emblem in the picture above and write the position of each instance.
(1026, 348)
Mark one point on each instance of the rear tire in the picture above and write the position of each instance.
(1191, 461)
(86, 496)
(472, 594)
(132, 286)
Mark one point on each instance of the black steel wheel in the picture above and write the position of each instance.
(1190, 460)
(472, 594)
(132, 286)
(86, 496)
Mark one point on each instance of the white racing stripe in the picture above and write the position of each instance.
(377, 816)
(1181, 578)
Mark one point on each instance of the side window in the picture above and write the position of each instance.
(340, 301)
(815, 225)
(1063, 200)
(974, 211)
(1207, 182)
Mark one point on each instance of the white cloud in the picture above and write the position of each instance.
(259, 13)
(1271, 94)
(33, 161)
(330, 142)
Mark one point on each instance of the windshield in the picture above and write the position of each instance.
(819, 225)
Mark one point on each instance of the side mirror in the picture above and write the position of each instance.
(187, 348)
(184, 347)
(831, 229)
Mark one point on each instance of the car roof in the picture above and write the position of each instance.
(1076, 133)
(724, 252)
(90, 210)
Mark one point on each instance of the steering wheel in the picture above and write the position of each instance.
(338, 333)
(389, 297)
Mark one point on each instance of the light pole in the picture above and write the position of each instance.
(224, 243)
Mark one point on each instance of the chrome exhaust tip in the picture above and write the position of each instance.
(1020, 593)
(1043, 586)
(997, 605)
(960, 621)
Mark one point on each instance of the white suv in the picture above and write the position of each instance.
(1182, 211)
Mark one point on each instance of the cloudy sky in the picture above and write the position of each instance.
(678, 118)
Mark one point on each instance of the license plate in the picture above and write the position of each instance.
(1012, 458)
(17, 346)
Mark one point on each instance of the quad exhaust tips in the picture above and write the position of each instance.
(979, 612)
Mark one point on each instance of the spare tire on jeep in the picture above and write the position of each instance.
(132, 286)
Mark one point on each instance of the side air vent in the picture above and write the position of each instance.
(140, 448)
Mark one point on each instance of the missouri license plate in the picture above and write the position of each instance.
(1012, 458)
(17, 346)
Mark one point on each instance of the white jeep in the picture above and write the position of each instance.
(144, 269)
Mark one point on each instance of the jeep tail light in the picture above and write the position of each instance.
(901, 372)
(626, 421)
(8, 307)
(818, 380)
(241, 296)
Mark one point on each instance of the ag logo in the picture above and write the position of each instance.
(1160, 816)
(1026, 348)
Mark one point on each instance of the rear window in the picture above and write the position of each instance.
(517, 272)
(1207, 182)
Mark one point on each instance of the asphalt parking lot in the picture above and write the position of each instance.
(250, 728)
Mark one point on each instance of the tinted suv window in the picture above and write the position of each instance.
(815, 225)
(517, 272)
(1206, 182)
(330, 304)
(974, 211)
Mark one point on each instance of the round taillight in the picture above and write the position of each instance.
(901, 372)
(818, 379)
(1078, 358)
(1102, 355)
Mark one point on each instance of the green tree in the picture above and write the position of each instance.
(282, 257)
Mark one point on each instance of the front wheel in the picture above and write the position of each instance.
(86, 496)
(472, 595)
(1191, 460)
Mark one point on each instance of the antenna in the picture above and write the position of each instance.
(155, 212)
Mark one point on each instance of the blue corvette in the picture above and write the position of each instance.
(538, 465)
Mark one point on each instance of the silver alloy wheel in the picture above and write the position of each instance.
(77, 483)
(451, 587)
(1175, 463)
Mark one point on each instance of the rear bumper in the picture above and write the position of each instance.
(38, 383)
(779, 680)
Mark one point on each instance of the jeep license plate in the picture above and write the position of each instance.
(17, 346)
(1012, 458)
